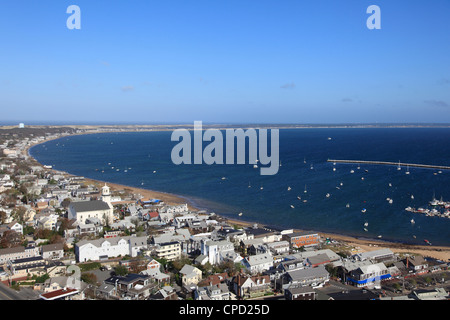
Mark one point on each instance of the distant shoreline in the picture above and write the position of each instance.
(221, 126)
(367, 244)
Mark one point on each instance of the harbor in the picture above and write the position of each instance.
(435, 211)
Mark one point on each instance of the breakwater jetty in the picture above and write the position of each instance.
(387, 163)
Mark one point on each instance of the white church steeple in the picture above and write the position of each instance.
(106, 195)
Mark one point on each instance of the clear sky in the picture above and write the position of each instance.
(259, 61)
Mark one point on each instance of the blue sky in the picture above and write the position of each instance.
(260, 61)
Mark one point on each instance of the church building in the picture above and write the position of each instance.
(101, 209)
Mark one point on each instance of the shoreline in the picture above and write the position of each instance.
(354, 244)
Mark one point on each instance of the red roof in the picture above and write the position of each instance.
(58, 294)
(153, 214)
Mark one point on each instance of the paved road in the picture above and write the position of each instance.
(8, 294)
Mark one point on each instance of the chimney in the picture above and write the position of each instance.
(407, 263)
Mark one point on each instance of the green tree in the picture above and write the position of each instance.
(121, 270)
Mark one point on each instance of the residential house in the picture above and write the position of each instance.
(133, 286)
(417, 264)
(153, 270)
(52, 251)
(266, 235)
(246, 286)
(168, 250)
(315, 277)
(296, 292)
(165, 293)
(214, 292)
(258, 263)
(278, 247)
(191, 276)
(219, 251)
(375, 256)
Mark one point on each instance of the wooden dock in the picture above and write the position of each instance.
(387, 163)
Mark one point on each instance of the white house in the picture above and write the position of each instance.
(100, 249)
(219, 251)
(258, 262)
(17, 227)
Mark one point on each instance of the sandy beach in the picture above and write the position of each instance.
(354, 244)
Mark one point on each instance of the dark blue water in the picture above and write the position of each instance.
(146, 152)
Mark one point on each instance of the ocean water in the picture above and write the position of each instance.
(147, 158)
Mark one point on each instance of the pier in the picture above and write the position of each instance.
(387, 163)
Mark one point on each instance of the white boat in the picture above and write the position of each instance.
(391, 201)
(365, 229)
(434, 202)
(223, 178)
(341, 184)
(240, 214)
(363, 210)
(305, 200)
(352, 171)
(305, 189)
(255, 166)
(399, 167)
(366, 224)
(412, 221)
(412, 197)
(289, 188)
(347, 205)
(362, 178)
(380, 236)
(390, 184)
(292, 206)
(407, 170)
(154, 171)
(299, 198)
(334, 169)
(327, 195)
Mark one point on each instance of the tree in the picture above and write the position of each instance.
(121, 270)
(89, 277)
(10, 239)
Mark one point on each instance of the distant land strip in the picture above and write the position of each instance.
(387, 163)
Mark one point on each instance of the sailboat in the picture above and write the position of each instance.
(305, 189)
(399, 167)
(407, 170)
(289, 189)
